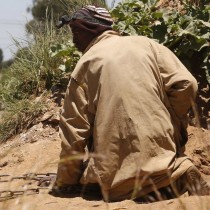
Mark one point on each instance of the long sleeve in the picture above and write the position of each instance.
(180, 85)
(75, 132)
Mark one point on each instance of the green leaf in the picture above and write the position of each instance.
(157, 15)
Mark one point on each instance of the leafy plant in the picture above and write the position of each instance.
(68, 55)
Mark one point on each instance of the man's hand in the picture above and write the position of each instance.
(65, 190)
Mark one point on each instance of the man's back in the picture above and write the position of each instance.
(132, 129)
(124, 107)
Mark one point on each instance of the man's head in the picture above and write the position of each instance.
(88, 23)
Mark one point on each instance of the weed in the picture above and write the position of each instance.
(33, 72)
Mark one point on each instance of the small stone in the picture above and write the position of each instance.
(198, 151)
(5, 163)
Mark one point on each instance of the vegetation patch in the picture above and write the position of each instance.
(20, 115)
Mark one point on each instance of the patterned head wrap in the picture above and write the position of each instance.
(90, 14)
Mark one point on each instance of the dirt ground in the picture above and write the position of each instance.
(37, 151)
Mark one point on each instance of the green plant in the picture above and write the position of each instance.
(68, 55)
(33, 72)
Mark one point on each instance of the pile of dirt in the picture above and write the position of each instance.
(36, 151)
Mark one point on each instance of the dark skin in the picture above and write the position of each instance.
(81, 37)
(84, 32)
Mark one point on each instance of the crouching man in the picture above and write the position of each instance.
(122, 125)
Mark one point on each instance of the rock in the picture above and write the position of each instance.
(204, 161)
(46, 116)
(198, 151)
(5, 163)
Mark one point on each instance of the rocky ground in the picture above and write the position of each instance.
(37, 151)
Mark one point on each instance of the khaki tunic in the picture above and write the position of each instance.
(125, 102)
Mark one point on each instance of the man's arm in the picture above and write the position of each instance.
(180, 85)
(180, 89)
(75, 131)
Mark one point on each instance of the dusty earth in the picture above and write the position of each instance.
(37, 150)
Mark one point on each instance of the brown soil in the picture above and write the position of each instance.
(37, 151)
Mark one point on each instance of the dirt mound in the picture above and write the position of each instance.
(198, 148)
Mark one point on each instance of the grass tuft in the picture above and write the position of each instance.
(20, 115)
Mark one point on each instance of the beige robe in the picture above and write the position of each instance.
(125, 102)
